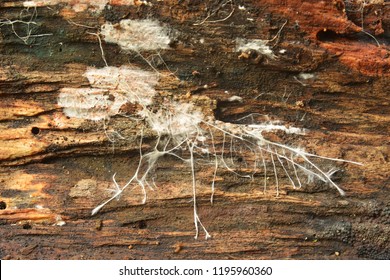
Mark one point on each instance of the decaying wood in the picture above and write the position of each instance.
(55, 169)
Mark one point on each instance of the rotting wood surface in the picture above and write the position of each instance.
(55, 170)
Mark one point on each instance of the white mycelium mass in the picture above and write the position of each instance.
(137, 35)
(260, 46)
(111, 87)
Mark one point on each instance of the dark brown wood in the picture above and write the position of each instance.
(55, 169)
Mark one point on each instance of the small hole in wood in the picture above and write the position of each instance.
(35, 130)
(3, 205)
(327, 35)
(27, 226)
(142, 224)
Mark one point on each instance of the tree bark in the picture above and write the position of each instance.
(328, 72)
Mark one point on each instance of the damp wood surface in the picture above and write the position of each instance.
(327, 76)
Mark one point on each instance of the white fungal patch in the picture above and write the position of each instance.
(111, 88)
(258, 129)
(135, 84)
(175, 119)
(59, 221)
(260, 46)
(90, 104)
(137, 35)
(306, 76)
(235, 98)
(31, 4)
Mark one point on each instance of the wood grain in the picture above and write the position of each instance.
(55, 169)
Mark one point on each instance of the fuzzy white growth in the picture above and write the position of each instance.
(32, 4)
(306, 76)
(111, 88)
(135, 84)
(260, 46)
(59, 221)
(175, 119)
(258, 129)
(91, 104)
(235, 98)
(137, 35)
